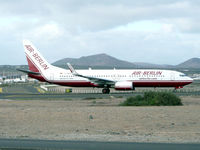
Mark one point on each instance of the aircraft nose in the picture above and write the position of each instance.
(190, 79)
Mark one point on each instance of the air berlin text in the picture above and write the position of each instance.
(154, 73)
(37, 57)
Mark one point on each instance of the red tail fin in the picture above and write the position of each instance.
(31, 66)
(36, 61)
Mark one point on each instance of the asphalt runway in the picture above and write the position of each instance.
(63, 96)
(70, 96)
(16, 144)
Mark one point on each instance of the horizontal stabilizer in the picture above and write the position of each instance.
(29, 72)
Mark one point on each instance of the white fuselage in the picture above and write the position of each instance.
(139, 77)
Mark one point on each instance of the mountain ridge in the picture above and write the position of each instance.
(95, 60)
(104, 60)
(190, 63)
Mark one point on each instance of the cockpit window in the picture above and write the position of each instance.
(182, 75)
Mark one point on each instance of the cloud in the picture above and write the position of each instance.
(125, 29)
(50, 31)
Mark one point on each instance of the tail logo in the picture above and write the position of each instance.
(37, 57)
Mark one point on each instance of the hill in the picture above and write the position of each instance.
(105, 61)
(191, 63)
(99, 60)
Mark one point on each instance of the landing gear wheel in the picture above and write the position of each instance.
(105, 91)
(108, 91)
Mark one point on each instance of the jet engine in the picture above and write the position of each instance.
(124, 85)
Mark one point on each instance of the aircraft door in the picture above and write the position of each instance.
(172, 76)
(52, 76)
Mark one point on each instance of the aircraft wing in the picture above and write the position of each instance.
(98, 81)
(94, 80)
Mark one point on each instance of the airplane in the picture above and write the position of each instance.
(119, 79)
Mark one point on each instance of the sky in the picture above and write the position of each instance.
(153, 31)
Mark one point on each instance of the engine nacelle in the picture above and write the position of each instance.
(124, 85)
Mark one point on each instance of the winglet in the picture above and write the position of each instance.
(73, 71)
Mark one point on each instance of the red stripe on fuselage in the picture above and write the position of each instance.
(123, 89)
(76, 84)
(135, 83)
(160, 83)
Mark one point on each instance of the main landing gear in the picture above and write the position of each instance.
(106, 91)
(176, 88)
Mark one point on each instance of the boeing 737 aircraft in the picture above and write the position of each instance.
(41, 70)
